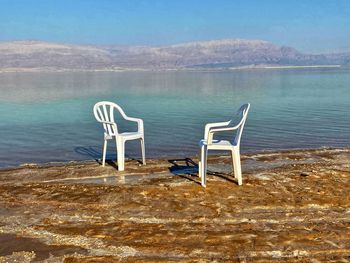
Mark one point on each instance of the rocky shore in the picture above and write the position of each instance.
(292, 207)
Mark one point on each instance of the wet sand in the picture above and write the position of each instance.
(292, 207)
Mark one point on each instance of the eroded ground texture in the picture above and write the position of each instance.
(292, 207)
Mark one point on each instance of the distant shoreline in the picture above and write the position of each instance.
(289, 67)
(250, 67)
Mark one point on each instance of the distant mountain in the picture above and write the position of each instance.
(41, 55)
(219, 54)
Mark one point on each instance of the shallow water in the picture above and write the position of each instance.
(48, 116)
(113, 179)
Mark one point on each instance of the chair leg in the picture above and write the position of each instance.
(120, 154)
(236, 161)
(200, 163)
(143, 151)
(203, 164)
(233, 162)
(104, 153)
(116, 149)
(199, 169)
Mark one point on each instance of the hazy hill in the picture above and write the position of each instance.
(35, 55)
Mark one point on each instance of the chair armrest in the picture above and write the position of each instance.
(210, 126)
(139, 122)
(132, 119)
(224, 129)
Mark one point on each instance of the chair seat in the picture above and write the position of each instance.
(218, 144)
(131, 135)
(126, 135)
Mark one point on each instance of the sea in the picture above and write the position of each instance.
(48, 117)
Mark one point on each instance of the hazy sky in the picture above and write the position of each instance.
(308, 25)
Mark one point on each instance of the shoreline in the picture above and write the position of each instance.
(248, 67)
(165, 158)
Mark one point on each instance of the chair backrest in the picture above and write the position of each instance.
(104, 112)
(243, 113)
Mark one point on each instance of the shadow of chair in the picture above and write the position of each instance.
(188, 169)
(92, 153)
(185, 168)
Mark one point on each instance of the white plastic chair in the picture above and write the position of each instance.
(104, 113)
(208, 143)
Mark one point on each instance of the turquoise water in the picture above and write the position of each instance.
(48, 116)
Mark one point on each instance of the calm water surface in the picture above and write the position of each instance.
(48, 116)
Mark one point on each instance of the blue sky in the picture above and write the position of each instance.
(308, 25)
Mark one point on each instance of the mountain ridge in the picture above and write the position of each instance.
(213, 54)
